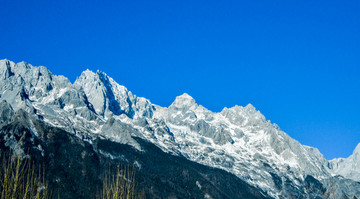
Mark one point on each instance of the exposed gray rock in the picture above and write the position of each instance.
(6, 113)
(120, 132)
(239, 140)
(348, 167)
(108, 98)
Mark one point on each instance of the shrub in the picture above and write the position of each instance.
(120, 185)
(20, 179)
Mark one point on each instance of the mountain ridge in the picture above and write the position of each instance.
(239, 139)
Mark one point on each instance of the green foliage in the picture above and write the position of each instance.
(20, 179)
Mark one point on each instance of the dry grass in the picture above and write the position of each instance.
(20, 179)
(120, 185)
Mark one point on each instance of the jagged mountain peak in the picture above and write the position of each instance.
(98, 76)
(23, 83)
(183, 101)
(250, 108)
(109, 98)
(348, 167)
(87, 73)
(20, 67)
(185, 96)
(357, 149)
(25, 71)
(239, 139)
(5, 68)
(6, 62)
(356, 158)
(104, 93)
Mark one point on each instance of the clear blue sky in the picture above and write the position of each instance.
(298, 62)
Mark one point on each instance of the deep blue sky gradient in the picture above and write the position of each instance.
(298, 62)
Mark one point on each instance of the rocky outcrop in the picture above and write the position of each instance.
(238, 140)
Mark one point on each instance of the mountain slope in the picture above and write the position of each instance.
(348, 167)
(74, 166)
(238, 140)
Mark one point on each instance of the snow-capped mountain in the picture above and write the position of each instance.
(239, 140)
(348, 167)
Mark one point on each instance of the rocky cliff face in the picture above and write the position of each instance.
(238, 140)
(348, 167)
(74, 166)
